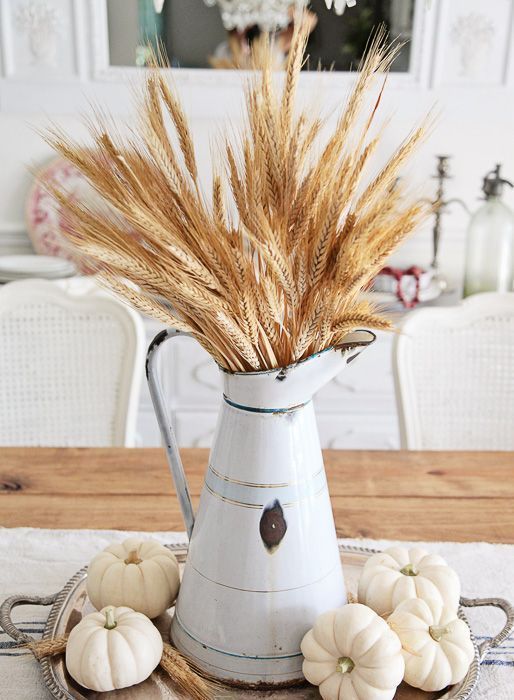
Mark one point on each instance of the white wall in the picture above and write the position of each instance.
(475, 100)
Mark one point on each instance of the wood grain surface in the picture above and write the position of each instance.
(459, 496)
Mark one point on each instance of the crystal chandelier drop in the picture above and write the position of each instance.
(269, 15)
(340, 5)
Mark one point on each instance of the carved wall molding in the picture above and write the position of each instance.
(39, 20)
(441, 54)
(46, 39)
(231, 80)
(474, 34)
(473, 43)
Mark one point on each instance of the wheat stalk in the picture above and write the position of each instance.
(272, 269)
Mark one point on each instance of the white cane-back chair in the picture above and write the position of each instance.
(454, 375)
(71, 359)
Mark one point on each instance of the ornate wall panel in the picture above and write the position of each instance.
(43, 40)
(473, 40)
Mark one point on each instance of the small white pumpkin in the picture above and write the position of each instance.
(437, 646)
(141, 574)
(351, 653)
(111, 649)
(398, 574)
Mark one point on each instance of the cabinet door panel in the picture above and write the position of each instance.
(195, 428)
(147, 429)
(358, 432)
(196, 377)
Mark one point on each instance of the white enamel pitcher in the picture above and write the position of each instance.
(263, 560)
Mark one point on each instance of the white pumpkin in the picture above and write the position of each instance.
(351, 653)
(437, 646)
(111, 649)
(141, 574)
(398, 574)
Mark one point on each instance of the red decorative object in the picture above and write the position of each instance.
(399, 275)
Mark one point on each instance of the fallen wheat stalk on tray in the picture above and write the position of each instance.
(271, 269)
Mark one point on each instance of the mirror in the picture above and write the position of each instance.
(195, 35)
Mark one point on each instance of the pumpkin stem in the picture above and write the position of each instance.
(110, 622)
(133, 558)
(345, 664)
(409, 570)
(437, 632)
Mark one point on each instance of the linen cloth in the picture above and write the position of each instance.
(39, 562)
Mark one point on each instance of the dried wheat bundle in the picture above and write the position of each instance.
(272, 269)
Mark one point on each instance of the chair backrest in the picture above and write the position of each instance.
(71, 359)
(454, 376)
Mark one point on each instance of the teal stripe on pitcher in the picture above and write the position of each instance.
(254, 409)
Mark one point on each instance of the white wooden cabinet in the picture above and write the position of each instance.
(356, 410)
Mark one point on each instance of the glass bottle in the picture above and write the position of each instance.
(490, 243)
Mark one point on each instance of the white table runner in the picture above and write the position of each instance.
(39, 562)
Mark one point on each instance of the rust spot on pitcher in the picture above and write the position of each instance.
(272, 526)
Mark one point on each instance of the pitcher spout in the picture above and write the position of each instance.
(288, 387)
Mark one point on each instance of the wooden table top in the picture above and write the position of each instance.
(461, 496)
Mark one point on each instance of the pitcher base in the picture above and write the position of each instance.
(240, 671)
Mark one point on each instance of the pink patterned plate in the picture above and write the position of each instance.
(42, 212)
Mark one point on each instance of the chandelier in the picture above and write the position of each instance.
(340, 5)
(269, 15)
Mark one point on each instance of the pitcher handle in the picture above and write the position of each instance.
(166, 428)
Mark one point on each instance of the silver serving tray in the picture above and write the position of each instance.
(71, 604)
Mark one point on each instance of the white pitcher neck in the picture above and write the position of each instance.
(286, 388)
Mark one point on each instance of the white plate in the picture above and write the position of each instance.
(21, 266)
